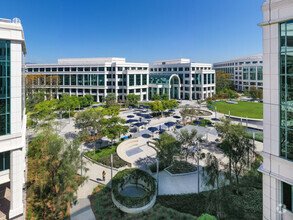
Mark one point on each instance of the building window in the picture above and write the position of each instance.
(94, 69)
(73, 69)
(186, 68)
(209, 78)
(73, 80)
(138, 81)
(174, 69)
(245, 73)
(108, 68)
(80, 80)
(86, 80)
(180, 69)
(287, 198)
(101, 69)
(252, 73)
(131, 80)
(286, 90)
(144, 79)
(259, 73)
(94, 79)
(101, 80)
(59, 69)
(213, 78)
(205, 79)
(66, 80)
(119, 68)
(4, 160)
(4, 87)
(66, 69)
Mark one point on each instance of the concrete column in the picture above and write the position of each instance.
(16, 183)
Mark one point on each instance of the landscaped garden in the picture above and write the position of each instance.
(180, 167)
(242, 109)
(103, 155)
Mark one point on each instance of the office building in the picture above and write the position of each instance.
(246, 72)
(182, 79)
(277, 152)
(12, 118)
(102, 76)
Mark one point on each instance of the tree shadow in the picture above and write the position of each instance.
(143, 163)
(70, 135)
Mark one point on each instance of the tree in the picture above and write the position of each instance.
(236, 146)
(83, 102)
(168, 147)
(184, 113)
(89, 123)
(209, 101)
(187, 141)
(156, 97)
(223, 81)
(253, 92)
(156, 106)
(34, 98)
(68, 103)
(133, 99)
(45, 111)
(110, 100)
(52, 180)
(165, 97)
(112, 127)
(90, 99)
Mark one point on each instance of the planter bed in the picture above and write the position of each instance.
(181, 168)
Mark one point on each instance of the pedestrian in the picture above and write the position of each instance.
(104, 175)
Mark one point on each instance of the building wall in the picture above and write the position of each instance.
(191, 87)
(116, 77)
(241, 67)
(276, 169)
(12, 142)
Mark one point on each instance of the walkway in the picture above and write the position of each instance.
(82, 209)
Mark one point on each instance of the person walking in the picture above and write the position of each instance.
(104, 175)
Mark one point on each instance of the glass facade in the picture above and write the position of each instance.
(259, 73)
(144, 79)
(138, 81)
(286, 90)
(245, 73)
(4, 87)
(252, 73)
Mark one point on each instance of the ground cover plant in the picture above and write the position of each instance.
(103, 155)
(242, 109)
(104, 209)
(181, 167)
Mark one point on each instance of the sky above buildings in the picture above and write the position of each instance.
(139, 30)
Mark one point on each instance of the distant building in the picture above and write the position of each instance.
(12, 117)
(186, 80)
(245, 71)
(277, 152)
(102, 76)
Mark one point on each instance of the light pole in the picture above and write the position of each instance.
(157, 176)
(197, 158)
(111, 169)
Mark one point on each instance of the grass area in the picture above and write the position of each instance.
(103, 155)
(242, 109)
(181, 167)
(104, 208)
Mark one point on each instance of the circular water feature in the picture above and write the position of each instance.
(132, 191)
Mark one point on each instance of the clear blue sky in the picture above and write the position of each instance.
(139, 30)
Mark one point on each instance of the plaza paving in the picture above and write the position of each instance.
(167, 184)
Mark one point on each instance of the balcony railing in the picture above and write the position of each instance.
(14, 20)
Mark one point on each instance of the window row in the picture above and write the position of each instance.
(83, 69)
(179, 69)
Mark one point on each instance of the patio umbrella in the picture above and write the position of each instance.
(176, 116)
(197, 122)
(178, 127)
(152, 129)
(130, 116)
(138, 124)
(169, 124)
(171, 110)
(200, 118)
(215, 119)
(131, 120)
(147, 107)
(162, 131)
(141, 107)
(148, 117)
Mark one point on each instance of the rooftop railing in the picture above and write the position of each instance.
(13, 21)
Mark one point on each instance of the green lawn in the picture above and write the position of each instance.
(242, 109)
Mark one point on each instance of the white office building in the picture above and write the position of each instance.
(94, 76)
(182, 79)
(12, 118)
(277, 166)
(245, 72)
